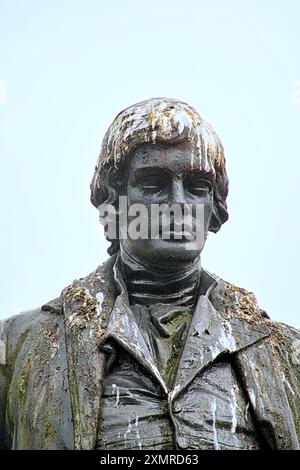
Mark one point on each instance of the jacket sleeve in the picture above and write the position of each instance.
(291, 374)
(3, 386)
(11, 338)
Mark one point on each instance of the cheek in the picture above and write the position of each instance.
(208, 205)
(205, 202)
(133, 194)
(135, 199)
(137, 195)
(202, 211)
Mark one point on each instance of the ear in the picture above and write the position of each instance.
(219, 215)
(215, 222)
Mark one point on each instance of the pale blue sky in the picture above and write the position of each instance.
(67, 67)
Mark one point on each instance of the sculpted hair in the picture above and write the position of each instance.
(166, 121)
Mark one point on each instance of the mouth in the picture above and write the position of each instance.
(175, 235)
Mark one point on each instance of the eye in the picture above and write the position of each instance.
(152, 183)
(198, 186)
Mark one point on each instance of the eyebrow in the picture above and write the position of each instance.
(205, 175)
(147, 170)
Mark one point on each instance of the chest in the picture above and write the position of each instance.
(211, 412)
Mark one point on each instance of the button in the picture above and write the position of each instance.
(183, 446)
(176, 408)
(182, 443)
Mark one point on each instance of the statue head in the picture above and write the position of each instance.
(161, 151)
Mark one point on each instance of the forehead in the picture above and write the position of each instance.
(173, 157)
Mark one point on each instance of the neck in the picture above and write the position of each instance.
(149, 284)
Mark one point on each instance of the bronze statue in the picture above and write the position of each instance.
(150, 351)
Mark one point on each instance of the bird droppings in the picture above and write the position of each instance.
(85, 307)
(214, 411)
(128, 431)
(247, 411)
(158, 120)
(52, 333)
(2, 345)
(253, 398)
(287, 383)
(99, 298)
(2, 352)
(116, 392)
(233, 406)
(138, 432)
(242, 305)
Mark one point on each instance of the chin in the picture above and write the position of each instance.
(164, 252)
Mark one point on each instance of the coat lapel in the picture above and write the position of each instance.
(86, 305)
(124, 329)
(211, 335)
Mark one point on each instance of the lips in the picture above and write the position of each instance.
(181, 231)
(175, 235)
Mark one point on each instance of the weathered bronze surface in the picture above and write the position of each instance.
(150, 351)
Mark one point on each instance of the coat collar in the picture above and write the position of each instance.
(88, 305)
(210, 334)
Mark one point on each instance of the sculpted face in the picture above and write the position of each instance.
(169, 174)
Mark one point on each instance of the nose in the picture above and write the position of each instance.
(177, 195)
(178, 198)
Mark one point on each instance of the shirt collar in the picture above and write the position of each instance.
(123, 327)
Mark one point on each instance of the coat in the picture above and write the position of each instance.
(52, 366)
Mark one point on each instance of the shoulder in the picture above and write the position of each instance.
(31, 324)
(102, 278)
(27, 325)
(240, 303)
(237, 302)
(15, 329)
(90, 298)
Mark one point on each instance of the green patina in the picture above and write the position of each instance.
(23, 379)
(50, 433)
